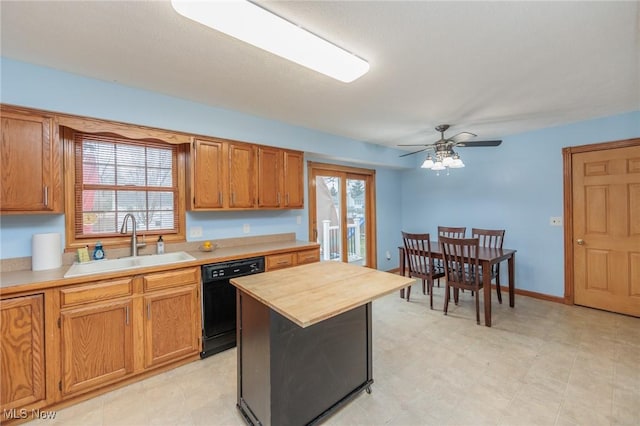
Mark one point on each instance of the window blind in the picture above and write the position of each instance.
(116, 176)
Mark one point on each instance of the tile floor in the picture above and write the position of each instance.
(541, 363)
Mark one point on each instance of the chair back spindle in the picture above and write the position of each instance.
(451, 231)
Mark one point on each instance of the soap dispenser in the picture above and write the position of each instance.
(98, 251)
(160, 245)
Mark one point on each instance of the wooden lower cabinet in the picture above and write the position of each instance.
(171, 328)
(112, 330)
(294, 258)
(97, 345)
(22, 363)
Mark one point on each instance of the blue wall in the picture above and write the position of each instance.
(44, 88)
(517, 186)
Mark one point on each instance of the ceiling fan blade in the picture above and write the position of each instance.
(479, 143)
(415, 152)
(462, 136)
(418, 144)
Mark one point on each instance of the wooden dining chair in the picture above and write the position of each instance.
(417, 251)
(492, 238)
(461, 268)
(451, 232)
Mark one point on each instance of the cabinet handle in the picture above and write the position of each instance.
(278, 198)
(149, 310)
(126, 314)
(286, 197)
(283, 262)
(46, 196)
(233, 198)
(220, 198)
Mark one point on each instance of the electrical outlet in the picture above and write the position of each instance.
(555, 221)
(195, 231)
(388, 255)
(299, 220)
(246, 228)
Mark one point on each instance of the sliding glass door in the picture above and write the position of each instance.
(342, 213)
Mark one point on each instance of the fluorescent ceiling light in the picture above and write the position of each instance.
(259, 27)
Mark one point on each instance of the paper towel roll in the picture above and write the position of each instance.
(46, 251)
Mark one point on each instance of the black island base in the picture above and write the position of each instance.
(289, 375)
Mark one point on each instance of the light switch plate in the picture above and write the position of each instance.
(195, 231)
(555, 221)
(246, 228)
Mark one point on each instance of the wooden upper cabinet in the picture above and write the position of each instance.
(235, 175)
(292, 179)
(31, 163)
(280, 178)
(242, 175)
(208, 174)
(269, 177)
(22, 352)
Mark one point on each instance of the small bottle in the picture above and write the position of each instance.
(98, 251)
(160, 245)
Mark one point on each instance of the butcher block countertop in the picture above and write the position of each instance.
(309, 294)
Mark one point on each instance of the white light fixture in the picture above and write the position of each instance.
(444, 159)
(456, 163)
(252, 24)
(428, 163)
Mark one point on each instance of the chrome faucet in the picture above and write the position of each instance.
(135, 245)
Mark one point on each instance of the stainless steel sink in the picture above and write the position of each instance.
(124, 263)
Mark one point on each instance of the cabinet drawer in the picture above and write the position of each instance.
(278, 261)
(101, 290)
(307, 256)
(171, 278)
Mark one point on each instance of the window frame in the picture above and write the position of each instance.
(74, 241)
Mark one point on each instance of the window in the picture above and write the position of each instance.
(114, 176)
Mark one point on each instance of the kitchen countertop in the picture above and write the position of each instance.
(27, 280)
(308, 294)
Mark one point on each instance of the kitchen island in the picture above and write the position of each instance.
(305, 339)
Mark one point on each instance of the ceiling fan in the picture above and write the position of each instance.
(444, 147)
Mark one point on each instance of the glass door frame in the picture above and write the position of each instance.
(315, 169)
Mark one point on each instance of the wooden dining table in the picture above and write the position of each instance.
(487, 257)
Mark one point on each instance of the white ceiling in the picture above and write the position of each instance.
(492, 68)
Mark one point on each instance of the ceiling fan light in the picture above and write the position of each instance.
(438, 166)
(447, 161)
(428, 163)
(457, 164)
(252, 24)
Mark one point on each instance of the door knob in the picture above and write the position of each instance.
(580, 242)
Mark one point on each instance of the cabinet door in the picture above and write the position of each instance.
(269, 177)
(172, 325)
(293, 178)
(97, 345)
(208, 174)
(31, 173)
(21, 351)
(241, 175)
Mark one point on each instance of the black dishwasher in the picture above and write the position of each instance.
(219, 302)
